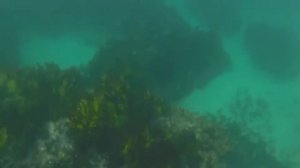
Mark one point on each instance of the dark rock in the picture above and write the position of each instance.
(274, 50)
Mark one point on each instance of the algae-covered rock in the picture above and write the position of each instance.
(169, 56)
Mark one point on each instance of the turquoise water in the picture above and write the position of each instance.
(65, 50)
(282, 97)
(70, 33)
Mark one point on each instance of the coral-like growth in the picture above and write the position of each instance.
(207, 142)
(31, 96)
(121, 117)
(138, 129)
(113, 122)
(250, 149)
(250, 112)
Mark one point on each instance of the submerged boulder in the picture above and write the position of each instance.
(218, 15)
(164, 52)
(274, 50)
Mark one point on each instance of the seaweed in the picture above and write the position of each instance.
(31, 96)
(3, 137)
(114, 122)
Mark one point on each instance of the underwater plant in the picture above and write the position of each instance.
(250, 111)
(3, 137)
(31, 96)
(117, 118)
(250, 150)
(52, 116)
(136, 128)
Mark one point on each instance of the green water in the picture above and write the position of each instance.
(70, 33)
(283, 99)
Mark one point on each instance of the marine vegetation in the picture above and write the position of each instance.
(129, 124)
(55, 119)
(31, 96)
(119, 111)
(3, 137)
(250, 149)
(247, 123)
(250, 112)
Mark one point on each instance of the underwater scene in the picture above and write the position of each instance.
(149, 84)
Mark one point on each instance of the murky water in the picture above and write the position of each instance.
(238, 59)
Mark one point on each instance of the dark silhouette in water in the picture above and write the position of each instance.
(273, 49)
(222, 16)
(9, 49)
(171, 57)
